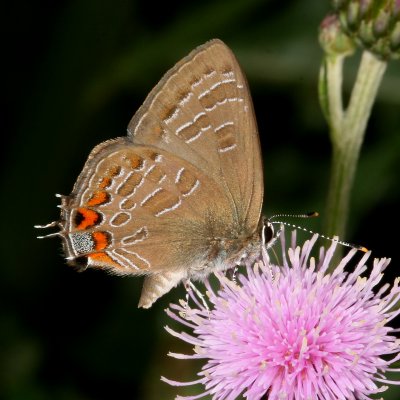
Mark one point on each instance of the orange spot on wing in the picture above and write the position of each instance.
(114, 170)
(86, 218)
(136, 162)
(102, 259)
(101, 240)
(105, 182)
(98, 198)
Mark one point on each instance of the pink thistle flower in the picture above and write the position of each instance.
(293, 331)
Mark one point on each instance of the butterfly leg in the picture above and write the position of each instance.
(190, 287)
(231, 273)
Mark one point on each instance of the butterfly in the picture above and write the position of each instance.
(180, 196)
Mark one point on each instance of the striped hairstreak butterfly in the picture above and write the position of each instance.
(181, 195)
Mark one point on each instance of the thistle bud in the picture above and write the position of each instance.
(332, 38)
(373, 24)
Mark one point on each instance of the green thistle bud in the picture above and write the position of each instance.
(373, 24)
(332, 38)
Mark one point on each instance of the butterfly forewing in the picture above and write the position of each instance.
(181, 195)
(202, 111)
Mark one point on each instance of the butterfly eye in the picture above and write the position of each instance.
(268, 232)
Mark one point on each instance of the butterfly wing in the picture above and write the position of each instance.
(183, 192)
(201, 110)
(137, 210)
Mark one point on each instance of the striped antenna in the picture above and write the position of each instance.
(311, 214)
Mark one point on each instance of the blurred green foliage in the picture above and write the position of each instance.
(75, 72)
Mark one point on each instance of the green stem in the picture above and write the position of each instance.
(347, 135)
(334, 69)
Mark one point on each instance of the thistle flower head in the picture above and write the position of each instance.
(293, 331)
(373, 24)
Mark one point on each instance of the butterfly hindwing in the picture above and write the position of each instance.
(136, 214)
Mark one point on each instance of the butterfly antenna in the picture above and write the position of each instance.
(312, 214)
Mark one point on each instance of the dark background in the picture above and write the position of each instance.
(74, 72)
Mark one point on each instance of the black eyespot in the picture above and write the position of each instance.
(78, 218)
